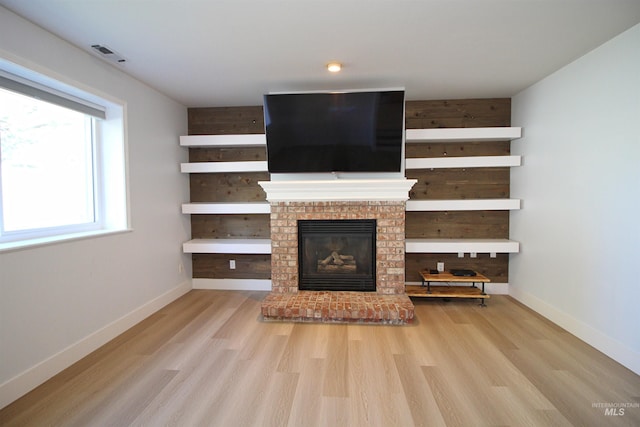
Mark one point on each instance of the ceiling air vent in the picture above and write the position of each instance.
(108, 53)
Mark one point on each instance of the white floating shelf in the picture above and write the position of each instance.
(462, 246)
(224, 141)
(231, 208)
(227, 246)
(463, 205)
(463, 134)
(263, 246)
(221, 167)
(226, 208)
(412, 135)
(463, 162)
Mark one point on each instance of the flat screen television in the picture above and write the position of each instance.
(335, 131)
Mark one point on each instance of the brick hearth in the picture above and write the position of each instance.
(338, 306)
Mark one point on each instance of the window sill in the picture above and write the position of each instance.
(51, 240)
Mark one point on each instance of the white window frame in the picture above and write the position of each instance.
(109, 156)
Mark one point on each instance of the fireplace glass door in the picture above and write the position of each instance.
(337, 255)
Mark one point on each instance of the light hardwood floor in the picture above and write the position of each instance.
(208, 360)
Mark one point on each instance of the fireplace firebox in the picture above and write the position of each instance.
(337, 255)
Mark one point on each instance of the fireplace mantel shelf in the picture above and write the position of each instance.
(338, 190)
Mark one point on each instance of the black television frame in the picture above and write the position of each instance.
(354, 132)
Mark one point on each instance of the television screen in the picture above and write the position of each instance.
(335, 132)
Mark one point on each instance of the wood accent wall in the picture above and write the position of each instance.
(469, 183)
(225, 120)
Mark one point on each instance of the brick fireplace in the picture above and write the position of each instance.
(379, 200)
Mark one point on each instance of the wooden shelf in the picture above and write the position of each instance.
(463, 162)
(452, 246)
(463, 205)
(224, 141)
(227, 246)
(226, 208)
(461, 291)
(223, 167)
(463, 134)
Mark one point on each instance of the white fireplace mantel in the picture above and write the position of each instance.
(338, 190)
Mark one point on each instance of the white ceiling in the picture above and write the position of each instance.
(230, 52)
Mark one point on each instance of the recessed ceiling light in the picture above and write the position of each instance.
(334, 67)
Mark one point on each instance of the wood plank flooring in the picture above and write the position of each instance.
(209, 360)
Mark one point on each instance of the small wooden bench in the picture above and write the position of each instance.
(426, 290)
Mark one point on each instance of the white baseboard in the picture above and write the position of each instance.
(233, 284)
(497, 288)
(609, 346)
(21, 384)
(265, 285)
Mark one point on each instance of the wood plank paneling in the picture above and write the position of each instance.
(459, 113)
(436, 184)
(216, 266)
(456, 149)
(469, 183)
(457, 225)
(442, 184)
(228, 187)
(242, 154)
(230, 226)
(225, 120)
(496, 269)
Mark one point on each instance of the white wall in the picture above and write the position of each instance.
(59, 302)
(580, 183)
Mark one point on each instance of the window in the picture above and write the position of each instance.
(56, 150)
